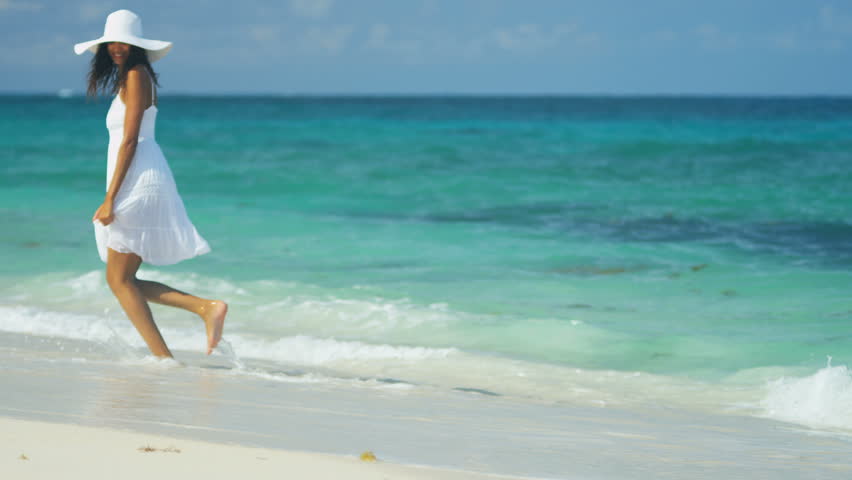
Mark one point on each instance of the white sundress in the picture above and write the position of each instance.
(150, 219)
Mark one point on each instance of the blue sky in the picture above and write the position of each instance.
(797, 47)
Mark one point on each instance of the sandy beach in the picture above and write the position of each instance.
(37, 450)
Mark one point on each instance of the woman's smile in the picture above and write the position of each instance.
(118, 52)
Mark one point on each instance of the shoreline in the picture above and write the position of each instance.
(451, 434)
(62, 94)
(37, 449)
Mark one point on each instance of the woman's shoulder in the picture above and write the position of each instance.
(138, 84)
(139, 73)
(139, 79)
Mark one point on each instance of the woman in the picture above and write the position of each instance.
(142, 217)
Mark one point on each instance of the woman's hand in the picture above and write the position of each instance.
(104, 213)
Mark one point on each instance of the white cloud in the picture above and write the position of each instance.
(664, 36)
(265, 33)
(414, 48)
(378, 36)
(311, 8)
(272, 40)
(834, 22)
(48, 50)
(330, 40)
(430, 45)
(827, 31)
(654, 41)
(522, 37)
(20, 5)
(712, 37)
(428, 7)
(532, 38)
(786, 41)
(95, 11)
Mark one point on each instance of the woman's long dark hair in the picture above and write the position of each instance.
(106, 76)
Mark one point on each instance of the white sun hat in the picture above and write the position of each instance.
(126, 27)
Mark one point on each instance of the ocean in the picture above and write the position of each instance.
(587, 252)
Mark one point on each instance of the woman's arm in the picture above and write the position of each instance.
(137, 98)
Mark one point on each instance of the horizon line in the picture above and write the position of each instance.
(71, 93)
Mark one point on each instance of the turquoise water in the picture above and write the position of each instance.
(685, 239)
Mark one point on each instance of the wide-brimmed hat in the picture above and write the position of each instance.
(126, 27)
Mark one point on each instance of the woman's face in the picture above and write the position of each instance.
(118, 52)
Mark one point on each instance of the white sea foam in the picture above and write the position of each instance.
(88, 283)
(404, 368)
(317, 358)
(821, 400)
(310, 351)
(366, 318)
(265, 307)
(76, 291)
(299, 328)
(152, 361)
(294, 350)
(35, 321)
(318, 378)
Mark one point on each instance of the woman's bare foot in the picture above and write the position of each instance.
(214, 320)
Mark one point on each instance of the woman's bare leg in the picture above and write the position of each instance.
(211, 311)
(121, 277)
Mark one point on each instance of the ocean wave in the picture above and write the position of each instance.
(310, 351)
(298, 349)
(80, 306)
(36, 321)
(320, 334)
(821, 400)
(94, 282)
(443, 368)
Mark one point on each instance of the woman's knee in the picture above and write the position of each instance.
(121, 269)
(119, 277)
(116, 279)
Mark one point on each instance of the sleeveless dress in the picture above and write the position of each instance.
(150, 219)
